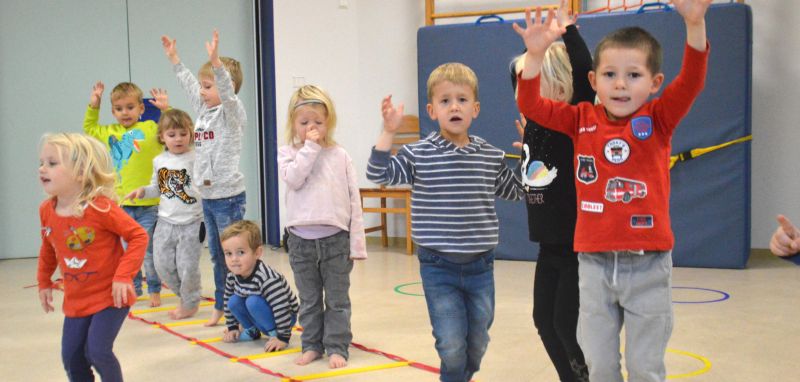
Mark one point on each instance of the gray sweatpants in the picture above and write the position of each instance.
(176, 252)
(627, 288)
(323, 266)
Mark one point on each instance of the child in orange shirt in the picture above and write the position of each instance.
(81, 231)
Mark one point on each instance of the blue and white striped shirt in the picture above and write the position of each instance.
(453, 190)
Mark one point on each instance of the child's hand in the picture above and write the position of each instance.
(538, 35)
(520, 123)
(312, 135)
(274, 344)
(786, 239)
(212, 49)
(160, 99)
(120, 291)
(170, 49)
(230, 336)
(97, 95)
(135, 194)
(392, 117)
(564, 15)
(46, 298)
(692, 11)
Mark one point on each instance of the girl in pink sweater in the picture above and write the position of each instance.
(326, 230)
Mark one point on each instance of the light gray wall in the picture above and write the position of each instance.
(53, 51)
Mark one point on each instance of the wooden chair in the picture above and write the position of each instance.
(408, 133)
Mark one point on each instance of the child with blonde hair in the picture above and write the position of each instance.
(551, 200)
(81, 228)
(178, 235)
(622, 148)
(219, 127)
(133, 144)
(258, 299)
(454, 178)
(326, 230)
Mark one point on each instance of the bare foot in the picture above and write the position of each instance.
(215, 317)
(336, 361)
(180, 313)
(155, 299)
(307, 357)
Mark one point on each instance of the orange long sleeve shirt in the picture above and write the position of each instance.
(89, 253)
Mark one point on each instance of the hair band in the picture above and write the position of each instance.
(308, 101)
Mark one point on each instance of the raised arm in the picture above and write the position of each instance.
(537, 36)
(170, 49)
(693, 13)
(383, 168)
(580, 58)
(160, 99)
(97, 95)
(186, 79)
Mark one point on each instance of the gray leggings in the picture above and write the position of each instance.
(323, 266)
(176, 253)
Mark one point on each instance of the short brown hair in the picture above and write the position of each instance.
(632, 38)
(251, 229)
(454, 72)
(232, 66)
(126, 89)
(175, 119)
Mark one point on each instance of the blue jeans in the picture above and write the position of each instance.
(89, 341)
(146, 217)
(460, 300)
(218, 215)
(254, 311)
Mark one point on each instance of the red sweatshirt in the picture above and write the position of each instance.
(621, 167)
(89, 252)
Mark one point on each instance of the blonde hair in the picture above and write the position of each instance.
(247, 227)
(320, 99)
(126, 89)
(454, 72)
(556, 73)
(90, 164)
(175, 119)
(231, 65)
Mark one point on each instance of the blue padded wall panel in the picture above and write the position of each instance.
(710, 203)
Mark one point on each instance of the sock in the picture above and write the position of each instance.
(250, 334)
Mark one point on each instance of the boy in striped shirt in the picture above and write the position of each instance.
(257, 298)
(455, 178)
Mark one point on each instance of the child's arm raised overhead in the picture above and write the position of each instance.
(382, 167)
(97, 94)
(186, 79)
(91, 118)
(235, 114)
(537, 37)
(160, 99)
(694, 13)
(580, 58)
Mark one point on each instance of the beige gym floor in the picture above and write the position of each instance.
(752, 336)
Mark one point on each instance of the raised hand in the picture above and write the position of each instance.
(274, 344)
(160, 98)
(46, 298)
(213, 50)
(538, 34)
(97, 94)
(692, 11)
(392, 116)
(520, 124)
(170, 49)
(786, 239)
(564, 15)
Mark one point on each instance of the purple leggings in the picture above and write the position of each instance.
(89, 341)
